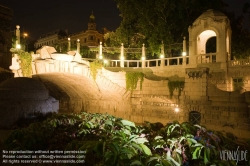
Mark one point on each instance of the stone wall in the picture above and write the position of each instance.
(5, 74)
(5, 36)
(208, 92)
(204, 93)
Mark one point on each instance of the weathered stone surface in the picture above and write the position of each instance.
(24, 98)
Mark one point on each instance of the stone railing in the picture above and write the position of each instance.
(241, 62)
(150, 62)
(206, 58)
(51, 65)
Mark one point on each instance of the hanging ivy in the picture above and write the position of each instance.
(172, 85)
(132, 78)
(26, 60)
(94, 67)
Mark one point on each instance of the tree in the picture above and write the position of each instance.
(86, 52)
(162, 20)
(240, 35)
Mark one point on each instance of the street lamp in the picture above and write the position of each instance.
(78, 46)
(105, 62)
(176, 109)
(25, 42)
(69, 44)
(25, 35)
(18, 46)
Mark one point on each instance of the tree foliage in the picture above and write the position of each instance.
(240, 35)
(161, 20)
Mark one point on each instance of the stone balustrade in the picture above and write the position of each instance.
(206, 58)
(149, 63)
(241, 62)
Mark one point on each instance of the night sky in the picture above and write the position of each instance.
(39, 17)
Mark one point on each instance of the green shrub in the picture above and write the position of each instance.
(112, 141)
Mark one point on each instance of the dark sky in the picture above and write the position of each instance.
(39, 17)
(236, 5)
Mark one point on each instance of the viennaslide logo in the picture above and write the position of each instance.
(235, 155)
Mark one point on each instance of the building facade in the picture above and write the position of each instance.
(6, 15)
(51, 38)
(61, 40)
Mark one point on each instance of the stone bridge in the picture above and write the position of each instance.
(211, 96)
(215, 92)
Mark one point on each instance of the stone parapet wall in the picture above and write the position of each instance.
(5, 74)
(206, 91)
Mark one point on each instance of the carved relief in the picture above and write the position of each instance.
(197, 72)
(160, 104)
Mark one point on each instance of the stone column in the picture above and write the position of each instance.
(143, 58)
(69, 44)
(18, 37)
(162, 55)
(122, 56)
(100, 51)
(184, 53)
(78, 46)
(192, 47)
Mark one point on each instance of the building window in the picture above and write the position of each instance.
(237, 80)
(194, 117)
(85, 40)
(238, 83)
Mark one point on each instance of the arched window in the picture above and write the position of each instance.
(194, 117)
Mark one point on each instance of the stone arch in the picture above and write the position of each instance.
(202, 38)
(210, 23)
(211, 45)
